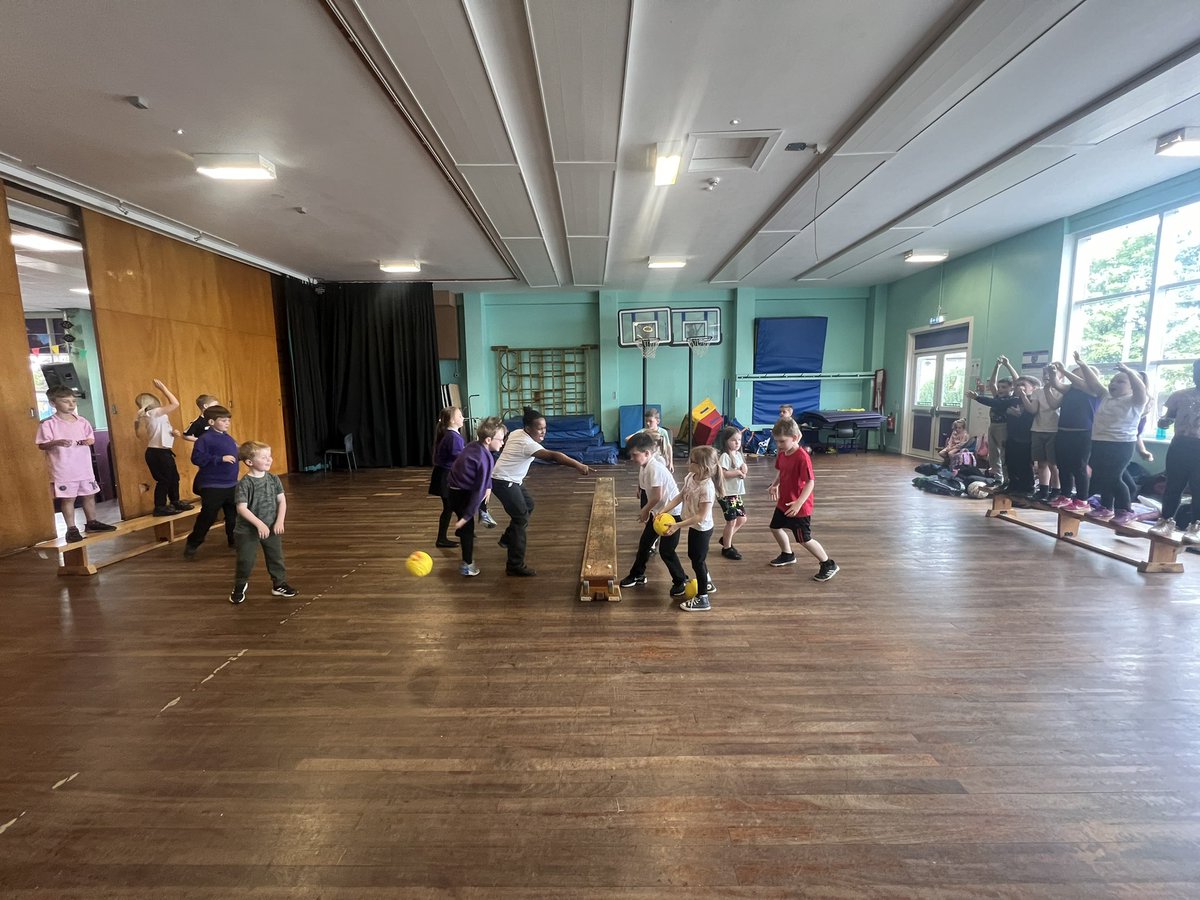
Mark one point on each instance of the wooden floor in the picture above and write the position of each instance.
(967, 710)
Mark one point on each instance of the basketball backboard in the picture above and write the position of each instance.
(697, 322)
(651, 323)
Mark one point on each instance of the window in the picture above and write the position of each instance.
(1135, 297)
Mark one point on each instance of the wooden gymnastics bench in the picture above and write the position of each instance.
(73, 558)
(598, 580)
(1163, 550)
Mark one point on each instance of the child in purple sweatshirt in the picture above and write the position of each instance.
(216, 454)
(470, 483)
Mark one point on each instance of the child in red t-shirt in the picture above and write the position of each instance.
(792, 491)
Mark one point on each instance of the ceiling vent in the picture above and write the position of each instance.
(729, 150)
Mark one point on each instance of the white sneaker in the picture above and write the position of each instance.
(1192, 535)
(468, 569)
(1163, 526)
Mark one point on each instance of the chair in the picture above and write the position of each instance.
(845, 438)
(347, 451)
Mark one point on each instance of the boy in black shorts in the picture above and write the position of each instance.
(792, 491)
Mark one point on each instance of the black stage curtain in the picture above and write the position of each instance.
(364, 362)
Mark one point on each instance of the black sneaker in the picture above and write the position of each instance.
(784, 559)
(503, 542)
(828, 569)
(520, 571)
(283, 589)
(238, 594)
(632, 580)
(96, 526)
(181, 506)
(731, 553)
(679, 590)
(73, 536)
(189, 552)
(445, 542)
(163, 511)
(712, 588)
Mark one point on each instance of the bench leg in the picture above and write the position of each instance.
(1001, 504)
(74, 561)
(1163, 558)
(1068, 525)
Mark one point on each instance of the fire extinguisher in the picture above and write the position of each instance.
(891, 423)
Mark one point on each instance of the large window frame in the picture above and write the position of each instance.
(1146, 267)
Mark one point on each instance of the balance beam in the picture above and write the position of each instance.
(1163, 551)
(73, 557)
(598, 578)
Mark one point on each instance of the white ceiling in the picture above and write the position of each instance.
(511, 143)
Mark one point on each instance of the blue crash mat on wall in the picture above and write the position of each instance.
(785, 346)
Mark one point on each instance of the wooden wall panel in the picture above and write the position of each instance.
(119, 278)
(28, 506)
(200, 322)
(256, 395)
(133, 352)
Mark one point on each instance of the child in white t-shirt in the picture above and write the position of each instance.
(701, 487)
(733, 471)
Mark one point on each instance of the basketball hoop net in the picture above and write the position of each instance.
(648, 346)
(699, 345)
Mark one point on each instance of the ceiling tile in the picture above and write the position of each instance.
(586, 192)
(501, 190)
(588, 255)
(534, 261)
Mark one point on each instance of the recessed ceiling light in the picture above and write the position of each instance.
(80, 291)
(1180, 142)
(667, 156)
(925, 256)
(234, 166)
(400, 265)
(667, 262)
(179, 131)
(43, 242)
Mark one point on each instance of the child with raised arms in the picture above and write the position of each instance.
(701, 487)
(792, 491)
(153, 425)
(470, 484)
(733, 472)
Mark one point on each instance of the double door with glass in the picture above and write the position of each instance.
(939, 379)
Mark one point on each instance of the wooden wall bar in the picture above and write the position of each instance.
(28, 505)
(202, 323)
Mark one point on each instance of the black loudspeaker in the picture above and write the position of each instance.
(62, 374)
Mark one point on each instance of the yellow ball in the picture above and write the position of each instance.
(419, 563)
(691, 589)
(663, 522)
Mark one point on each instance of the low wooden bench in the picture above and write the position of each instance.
(73, 558)
(1163, 549)
(598, 579)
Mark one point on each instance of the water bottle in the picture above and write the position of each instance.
(1161, 434)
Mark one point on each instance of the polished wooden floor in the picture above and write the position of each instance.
(967, 710)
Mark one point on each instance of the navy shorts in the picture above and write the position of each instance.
(799, 526)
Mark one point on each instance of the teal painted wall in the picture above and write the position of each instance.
(1009, 292)
(572, 319)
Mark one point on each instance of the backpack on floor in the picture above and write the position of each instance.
(947, 486)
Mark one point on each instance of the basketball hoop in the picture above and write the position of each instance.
(648, 346)
(699, 345)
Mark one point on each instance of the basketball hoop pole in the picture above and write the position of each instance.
(690, 405)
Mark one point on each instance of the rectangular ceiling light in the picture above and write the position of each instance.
(667, 156)
(400, 265)
(667, 262)
(79, 291)
(27, 240)
(234, 166)
(925, 256)
(1180, 142)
